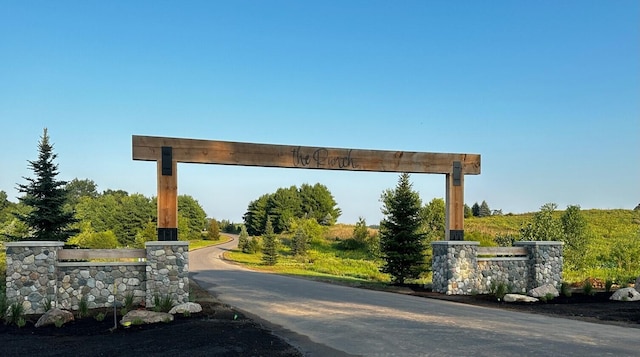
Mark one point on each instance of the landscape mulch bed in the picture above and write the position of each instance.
(219, 330)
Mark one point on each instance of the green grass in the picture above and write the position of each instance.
(202, 243)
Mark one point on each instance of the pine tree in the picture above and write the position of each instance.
(243, 240)
(475, 209)
(46, 197)
(401, 237)
(270, 245)
(300, 242)
(484, 210)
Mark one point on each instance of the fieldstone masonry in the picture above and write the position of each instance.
(457, 269)
(35, 276)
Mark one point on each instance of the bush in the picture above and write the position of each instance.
(254, 246)
(100, 317)
(587, 287)
(565, 289)
(16, 313)
(499, 290)
(83, 307)
(162, 304)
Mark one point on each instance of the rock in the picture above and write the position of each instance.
(188, 307)
(519, 298)
(145, 317)
(543, 290)
(638, 284)
(626, 294)
(50, 317)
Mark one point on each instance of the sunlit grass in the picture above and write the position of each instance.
(202, 243)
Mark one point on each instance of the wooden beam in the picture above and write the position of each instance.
(148, 148)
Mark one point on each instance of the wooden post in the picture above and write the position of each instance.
(454, 208)
(168, 203)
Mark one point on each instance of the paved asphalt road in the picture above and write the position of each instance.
(330, 320)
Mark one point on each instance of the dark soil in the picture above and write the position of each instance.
(219, 330)
(595, 308)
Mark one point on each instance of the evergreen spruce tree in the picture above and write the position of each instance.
(300, 242)
(401, 237)
(475, 210)
(270, 245)
(484, 210)
(243, 240)
(46, 196)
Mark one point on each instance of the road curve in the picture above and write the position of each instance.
(324, 319)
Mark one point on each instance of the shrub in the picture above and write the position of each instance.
(83, 307)
(100, 317)
(128, 302)
(499, 290)
(47, 304)
(565, 289)
(16, 312)
(607, 285)
(587, 287)
(254, 245)
(59, 323)
(21, 322)
(162, 303)
(137, 321)
(4, 305)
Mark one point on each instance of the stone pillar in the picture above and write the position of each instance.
(31, 274)
(455, 267)
(167, 271)
(545, 263)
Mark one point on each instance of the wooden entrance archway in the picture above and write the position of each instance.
(167, 152)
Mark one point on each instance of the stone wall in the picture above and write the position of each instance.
(457, 270)
(36, 276)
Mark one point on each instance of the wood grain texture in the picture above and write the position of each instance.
(454, 208)
(148, 148)
(168, 197)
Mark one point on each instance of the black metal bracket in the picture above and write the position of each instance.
(457, 173)
(167, 234)
(456, 234)
(167, 161)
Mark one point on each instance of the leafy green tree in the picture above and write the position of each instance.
(543, 227)
(475, 209)
(312, 229)
(243, 240)
(433, 219)
(270, 245)
(148, 234)
(77, 189)
(91, 239)
(361, 232)
(575, 238)
(468, 212)
(189, 208)
(46, 196)
(284, 205)
(484, 210)
(318, 203)
(213, 233)
(401, 235)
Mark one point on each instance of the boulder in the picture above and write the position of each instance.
(626, 294)
(188, 307)
(50, 317)
(134, 317)
(543, 290)
(519, 298)
(638, 284)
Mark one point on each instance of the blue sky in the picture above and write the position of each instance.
(547, 92)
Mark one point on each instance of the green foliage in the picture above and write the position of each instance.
(47, 304)
(129, 301)
(100, 316)
(213, 233)
(287, 204)
(4, 304)
(58, 322)
(544, 226)
(148, 234)
(401, 236)
(475, 210)
(311, 228)
(83, 307)
(468, 212)
(90, 239)
(243, 240)
(565, 289)
(76, 189)
(270, 248)
(484, 210)
(433, 219)
(607, 285)
(194, 216)
(504, 240)
(499, 290)
(46, 197)
(162, 303)
(575, 237)
(300, 242)
(15, 314)
(254, 245)
(587, 287)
